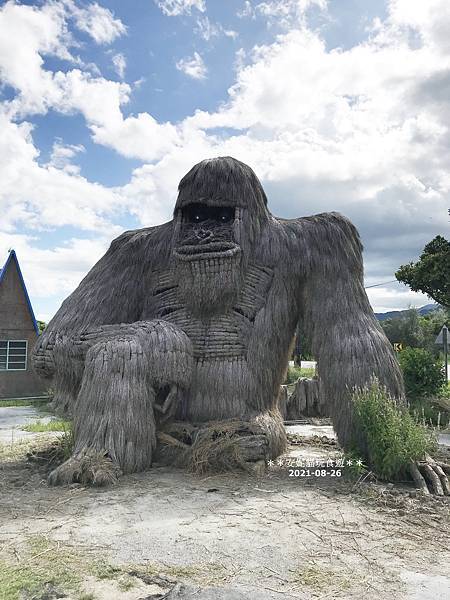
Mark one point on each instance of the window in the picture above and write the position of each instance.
(13, 355)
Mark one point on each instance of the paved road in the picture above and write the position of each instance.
(12, 418)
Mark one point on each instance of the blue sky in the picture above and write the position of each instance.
(337, 105)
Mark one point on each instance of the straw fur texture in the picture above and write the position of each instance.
(196, 323)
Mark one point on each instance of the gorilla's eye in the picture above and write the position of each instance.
(195, 213)
(223, 214)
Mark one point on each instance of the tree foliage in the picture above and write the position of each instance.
(431, 273)
(416, 331)
(423, 374)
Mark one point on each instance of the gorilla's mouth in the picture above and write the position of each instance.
(220, 249)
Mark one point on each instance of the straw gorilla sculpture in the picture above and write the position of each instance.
(193, 321)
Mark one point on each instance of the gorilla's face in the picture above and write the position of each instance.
(206, 231)
(208, 257)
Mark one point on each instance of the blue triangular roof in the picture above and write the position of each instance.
(13, 257)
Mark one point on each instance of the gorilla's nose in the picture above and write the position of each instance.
(203, 234)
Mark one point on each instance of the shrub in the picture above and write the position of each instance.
(394, 437)
(422, 372)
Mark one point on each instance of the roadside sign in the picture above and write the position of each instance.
(398, 346)
(440, 338)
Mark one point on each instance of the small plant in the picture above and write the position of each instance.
(354, 466)
(394, 437)
(423, 374)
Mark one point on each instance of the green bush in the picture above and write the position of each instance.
(423, 374)
(394, 437)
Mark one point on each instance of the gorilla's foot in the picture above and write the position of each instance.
(88, 468)
(430, 476)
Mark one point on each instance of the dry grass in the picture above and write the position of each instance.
(321, 579)
(217, 450)
(214, 449)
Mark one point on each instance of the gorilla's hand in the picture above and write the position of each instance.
(167, 410)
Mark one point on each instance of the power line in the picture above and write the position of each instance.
(377, 284)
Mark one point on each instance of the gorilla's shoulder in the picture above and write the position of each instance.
(319, 221)
(135, 238)
(324, 237)
(331, 226)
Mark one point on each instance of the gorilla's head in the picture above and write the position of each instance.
(220, 211)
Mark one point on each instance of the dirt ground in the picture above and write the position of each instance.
(267, 537)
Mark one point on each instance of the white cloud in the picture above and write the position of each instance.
(193, 66)
(98, 22)
(385, 299)
(62, 155)
(363, 131)
(52, 195)
(283, 13)
(246, 11)
(57, 271)
(208, 30)
(27, 33)
(138, 136)
(175, 8)
(120, 64)
(359, 131)
(430, 20)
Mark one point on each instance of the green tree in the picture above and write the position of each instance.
(431, 324)
(423, 374)
(406, 329)
(416, 331)
(431, 273)
(41, 325)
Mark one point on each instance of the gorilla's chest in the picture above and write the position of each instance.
(218, 336)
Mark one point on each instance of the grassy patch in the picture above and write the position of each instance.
(44, 565)
(23, 402)
(43, 426)
(48, 566)
(45, 449)
(17, 450)
(203, 574)
(294, 373)
(126, 576)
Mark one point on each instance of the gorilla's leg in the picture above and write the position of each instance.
(129, 371)
(114, 423)
(271, 426)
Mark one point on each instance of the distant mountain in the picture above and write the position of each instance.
(398, 314)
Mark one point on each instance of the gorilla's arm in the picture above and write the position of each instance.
(336, 317)
(111, 293)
